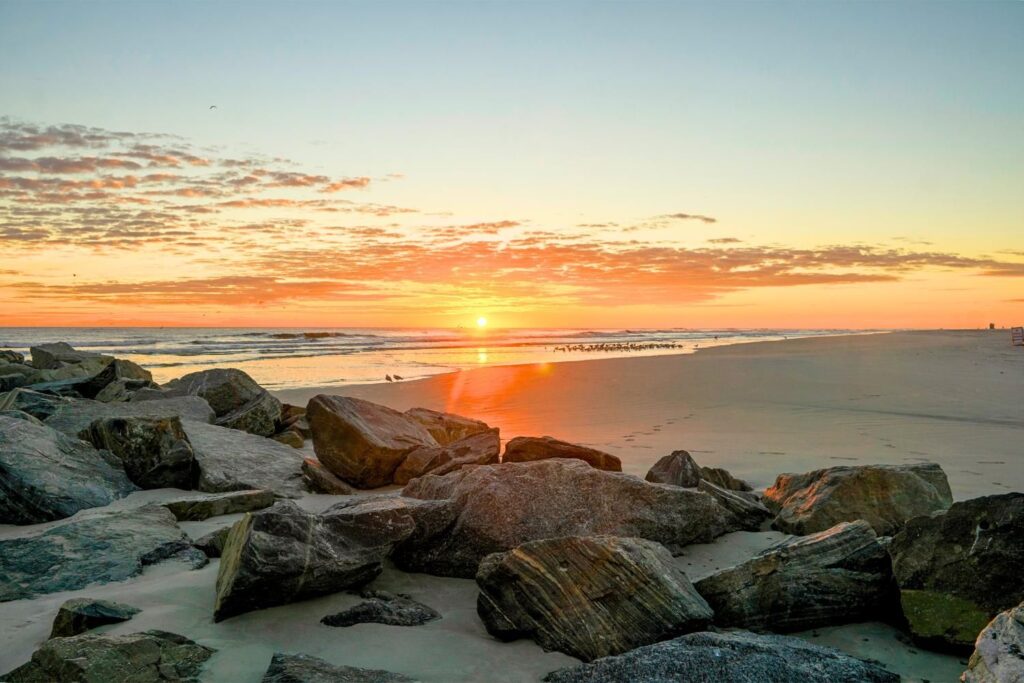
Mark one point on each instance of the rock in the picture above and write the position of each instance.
(285, 668)
(196, 508)
(116, 370)
(155, 452)
(13, 368)
(284, 554)
(45, 475)
(38, 405)
(121, 390)
(999, 650)
(589, 597)
(481, 448)
(736, 657)
(8, 356)
(12, 381)
(384, 608)
(99, 658)
(57, 355)
(362, 442)
(96, 546)
(447, 427)
(833, 577)
(319, 480)
(231, 460)
(79, 615)
(494, 508)
(678, 469)
(722, 479)
(532, 448)
(290, 437)
(290, 413)
(19, 415)
(212, 544)
(746, 509)
(71, 417)
(885, 496)
(957, 569)
(237, 400)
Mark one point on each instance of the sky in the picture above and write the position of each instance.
(542, 164)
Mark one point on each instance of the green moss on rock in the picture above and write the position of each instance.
(943, 617)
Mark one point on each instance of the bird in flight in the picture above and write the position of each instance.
(213, 106)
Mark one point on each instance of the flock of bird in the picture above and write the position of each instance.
(619, 346)
(396, 378)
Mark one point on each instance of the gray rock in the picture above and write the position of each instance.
(155, 452)
(480, 448)
(212, 544)
(362, 442)
(12, 381)
(678, 469)
(37, 404)
(533, 448)
(237, 400)
(736, 657)
(319, 479)
(589, 597)
(833, 577)
(71, 417)
(283, 554)
(999, 650)
(285, 668)
(384, 608)
(8, 356)
(494, 508)
(447, 428)
(289, 437)
(885, 496)
(45, 475)
(95, 546)
(121, 390)
(231, 460)
(745, 508)
(198, 507)
(19, 415)
(79, 615)
(94, 658)
(116, 370)
(723, 479)
(58, 354)
(957, 569)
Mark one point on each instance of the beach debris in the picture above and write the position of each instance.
(381, 607)
(45, 475)
(837, 576)
(533, 448)
(446, 427)
(155, 452)
(284, 554)
(145, 656)
(999, 650)
(957, 569)
(321, 480)
(200, 506)
(480, 448)
(677, 468)
(231, 460)
(79, 615)
(730, 656)
(300, 668)
(236, 399)
(589, 597)
(886, 496)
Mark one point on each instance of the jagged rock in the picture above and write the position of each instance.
(79, 615)
(95, 658)
(589, 597)
(533, 448)
(237, 400)
(71, 417)
(493, 508)
(957, 569)
(8, 356)
(115, 371)
(480, 448)
(285, 668)
(999, 650)
(736, 657)
(723, 479)
(678, 469)
(65, 388)
(96, 546)
(19, 415)
(362, 442)
(231, 460)
(381, 607)
(447, 427)
(45, 475)
(212, 544)
(747, 510)
(121, 390)
(199, 507)
(319, 479)
(155, 452)
(885, 496)
(12, 381)
(290, 437)
(284, 554)
(38, 405)
(56, 355)
(15, 368)
(836, 576)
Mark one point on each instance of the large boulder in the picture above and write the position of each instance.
(58, 354)
(493, 508)
(999, 650)
(116, 370)
(736, 657)
(237, 400)
(381, 607)
(95, 546)
(45, 475)
(121, 390)
(832, 577)
(230, 460)
(9, 356)
(79, 615)
(35, 403)
(589, 597)
(319, 479)
(957, 569)
(197, 507)
(94, 658)
(533, 448)
(447, 427)
(723, 479)
(480, 448)
(71, 417)
(11, 381)
(283, 554)
(746, 508)
(299, 668)
(155, 452)
(362, 442)
(885, 496)
(677, 468)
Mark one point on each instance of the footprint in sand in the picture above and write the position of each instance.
(771, 452)
(991, 462)
(977, 474)
(840, 457)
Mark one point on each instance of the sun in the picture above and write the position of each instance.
(481, 322)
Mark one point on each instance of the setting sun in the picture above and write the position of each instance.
(481, 322)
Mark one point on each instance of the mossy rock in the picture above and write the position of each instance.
(943, 621)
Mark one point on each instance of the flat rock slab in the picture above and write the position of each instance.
(447, 427)
(232, 460)
(745, 508)
(533, 448)
(72, 418)
(196, 508)
(298, 668)
(999, 651)
(736, 657)
(384, 608)
(39, 405)
(319, 479)
(479, 448)
(79, 615)
(96, 546)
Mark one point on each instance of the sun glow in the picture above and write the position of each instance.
(481, 322)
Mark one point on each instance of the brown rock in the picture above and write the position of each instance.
(446, 427)
(481, 448)
(678, 469)
(320, 480)
(532, 448)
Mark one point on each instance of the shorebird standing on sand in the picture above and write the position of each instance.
(388, 378)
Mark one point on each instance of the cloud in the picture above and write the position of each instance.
(725, 240)
(347, 184)
(688, 217)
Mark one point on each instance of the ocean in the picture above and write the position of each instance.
(280, 358)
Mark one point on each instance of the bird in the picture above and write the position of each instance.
(399, 377)
(388, 378)
(213, 106)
